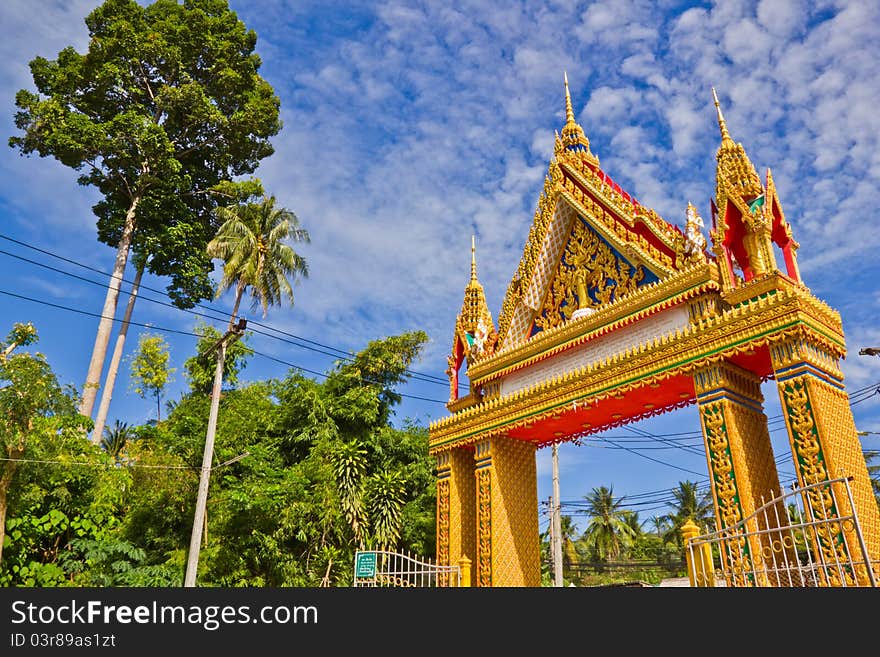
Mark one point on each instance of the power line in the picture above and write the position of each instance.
(98, 315)
(333, 351)
(283, 362)
(190, 333)
(667, 439)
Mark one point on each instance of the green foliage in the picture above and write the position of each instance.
(295, 462)
(349, 466)
(162, 112)
(367, 382)
(20, 336)
(116, 439)
(35, 411)
(65, 489)
(149, 369)
(199, 370)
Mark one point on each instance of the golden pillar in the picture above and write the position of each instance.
(456, 511)
(508, 546)
(825, 445)
(741, 466)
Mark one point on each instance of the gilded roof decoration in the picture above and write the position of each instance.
(790, 311)
(645, 301)
(474, 326)
(589, 275)
(573, 137)
(638, 234)
(734, 166)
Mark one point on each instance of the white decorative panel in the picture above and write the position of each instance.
(551, 250)
(598, 349)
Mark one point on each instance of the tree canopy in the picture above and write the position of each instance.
(164, 111)
(164, 115)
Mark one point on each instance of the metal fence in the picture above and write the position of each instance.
(809, 537)
(390, 569)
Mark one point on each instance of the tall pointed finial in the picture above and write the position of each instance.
(473, 258)
(569, 112)
(573, 137)
(725, 135)
(734, 165)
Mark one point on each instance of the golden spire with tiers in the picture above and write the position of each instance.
(475, 326)
(573, 137)
(734, 166)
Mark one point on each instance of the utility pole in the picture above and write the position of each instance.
(195, 541)
(556, 522)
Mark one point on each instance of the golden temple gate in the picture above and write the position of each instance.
(615, 315)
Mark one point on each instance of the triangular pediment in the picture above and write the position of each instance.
(574, 238)
(590, 273)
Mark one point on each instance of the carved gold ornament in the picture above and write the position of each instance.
(589, 275)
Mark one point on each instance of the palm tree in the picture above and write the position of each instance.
(608, 532)
(689, 504)
(631, 518)
(385, 497)
(659, 525)
(116, 438)
(250, 242)
(349, 467)
(874, 471)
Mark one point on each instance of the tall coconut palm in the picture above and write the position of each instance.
(608, 532)
(251, 243)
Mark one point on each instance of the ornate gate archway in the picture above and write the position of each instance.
(614, 315)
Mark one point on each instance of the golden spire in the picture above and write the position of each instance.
(473, 258)
(569, 112)
(475, 319)
(573, 137)
(734, 166)
(725, 135)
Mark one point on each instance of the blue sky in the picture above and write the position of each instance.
(410, 126)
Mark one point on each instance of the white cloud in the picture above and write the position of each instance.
(782, 18)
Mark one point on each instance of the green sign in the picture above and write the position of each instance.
(365, 565)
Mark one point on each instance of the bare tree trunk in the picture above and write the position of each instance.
(105, 326)
(107, 394)
(5, 482)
